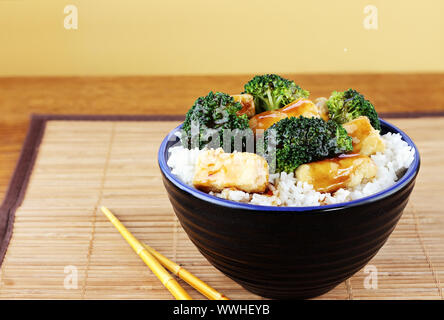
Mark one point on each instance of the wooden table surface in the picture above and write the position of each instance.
(20, 97)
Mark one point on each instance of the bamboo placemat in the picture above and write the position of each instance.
(83, 164)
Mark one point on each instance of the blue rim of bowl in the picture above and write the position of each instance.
(403, 181)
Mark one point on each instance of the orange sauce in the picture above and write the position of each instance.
(245, 109)
(268, 192)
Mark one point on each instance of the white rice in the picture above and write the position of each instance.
(288, 191)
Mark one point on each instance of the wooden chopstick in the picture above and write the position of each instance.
(167, 280)
(187, 276)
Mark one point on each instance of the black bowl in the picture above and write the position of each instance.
(288, 252)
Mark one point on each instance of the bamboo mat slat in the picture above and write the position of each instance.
(82, 165)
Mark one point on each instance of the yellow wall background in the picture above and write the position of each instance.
(140, 37)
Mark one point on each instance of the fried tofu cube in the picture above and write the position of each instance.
(366, 139)
(301, 107)
(247, 102)
(321, 104)
(345, 171)
(217, 170)
(264, 120)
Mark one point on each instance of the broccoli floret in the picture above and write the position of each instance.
(302, 140)
(213, 114)
(272, 92)
(348, 105)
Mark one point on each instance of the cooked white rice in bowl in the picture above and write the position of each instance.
(286, 190)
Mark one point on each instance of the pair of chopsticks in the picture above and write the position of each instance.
(156, 262)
